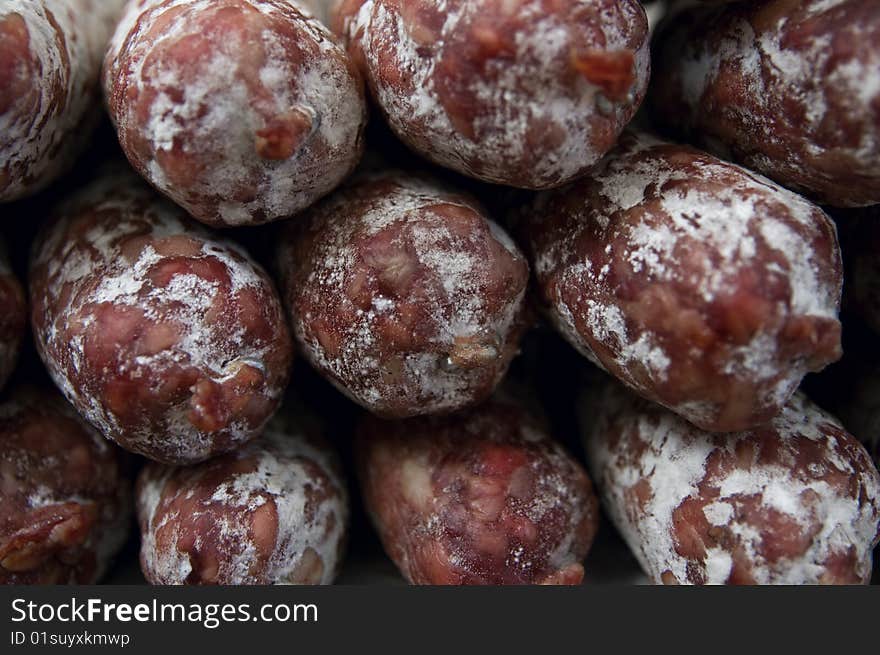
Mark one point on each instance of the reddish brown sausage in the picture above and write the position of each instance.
(241, 111)
(274, 512)
(405, 295)
(172, 342)
(527, 93)
(702, 286)
(13, 316)
(483, 497)
(789, 88)
(50, 62)
(796, 501)
(65, 498)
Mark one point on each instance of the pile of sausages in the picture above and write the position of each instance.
(669, 198)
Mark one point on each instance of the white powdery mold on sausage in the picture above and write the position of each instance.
(175, 565)
(748, 225)
(731, 221)
(787, 124)
(552, 492)
(453, 295)
(479, 497)
(529, 86)
(279, 477)
(764, 62)
(42, 131)
(667, 457)
(218, 112)
(19, 467)
(182, 303)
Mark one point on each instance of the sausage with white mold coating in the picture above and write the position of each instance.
(404, 294)
(50, 97)
(273, 512)
(526, 93)
(241, 111)
(483, 497)
(704, 287)
(65, 494)
(13, 317)
(788, 88)
(169, 340)
(796, 501)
